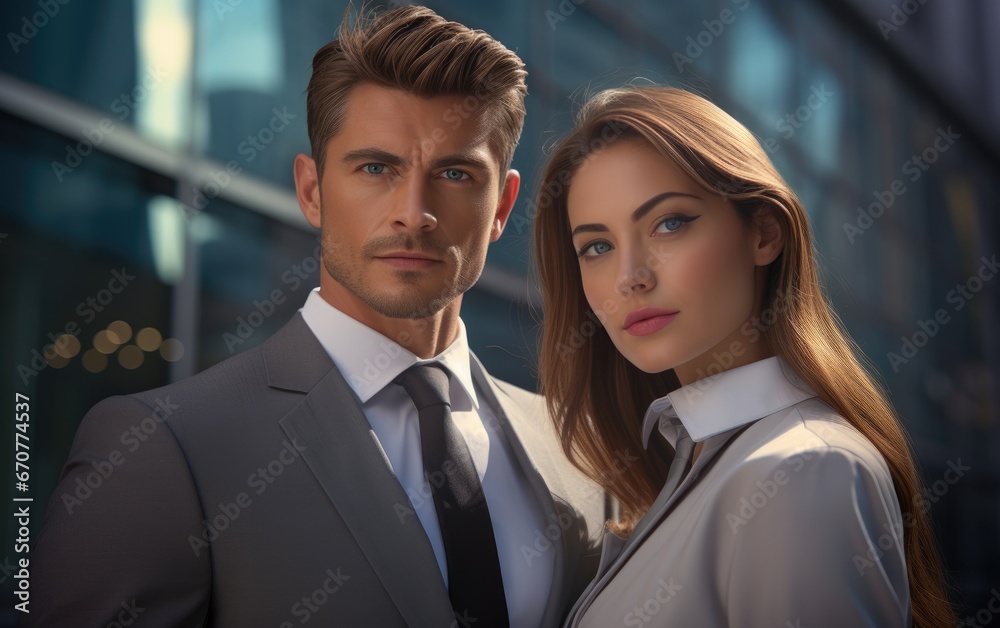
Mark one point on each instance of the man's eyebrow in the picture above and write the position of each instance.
(374, 155)
(390, 159)
(637, 215)
(462, 159)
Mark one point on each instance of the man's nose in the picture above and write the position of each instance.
(411, 207)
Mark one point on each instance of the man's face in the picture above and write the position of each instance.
(410, 199)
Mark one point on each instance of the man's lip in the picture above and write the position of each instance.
(406, 255)
(643, 313)
(408, 260)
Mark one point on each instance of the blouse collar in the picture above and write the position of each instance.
(726, 401)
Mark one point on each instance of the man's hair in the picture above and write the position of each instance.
(413, 49)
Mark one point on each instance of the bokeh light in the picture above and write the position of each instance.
(148, 339)
(121, 331)
(172, 350)
(95, 361)
(131, 357)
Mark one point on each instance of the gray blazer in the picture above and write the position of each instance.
(255, 493)
(793, 522)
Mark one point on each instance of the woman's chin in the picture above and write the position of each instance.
(650, 364)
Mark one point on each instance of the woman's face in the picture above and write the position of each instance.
(669, 267)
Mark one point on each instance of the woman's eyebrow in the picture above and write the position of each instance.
(645, 208)
(637, 215)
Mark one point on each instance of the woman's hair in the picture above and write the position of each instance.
(597, 398)
(413, 49)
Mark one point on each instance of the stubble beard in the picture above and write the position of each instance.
(409, 303)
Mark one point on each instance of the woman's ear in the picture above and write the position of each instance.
(769, 236)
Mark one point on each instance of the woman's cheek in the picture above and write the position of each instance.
(715, 280)
(700, 270)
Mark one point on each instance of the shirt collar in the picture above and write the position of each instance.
(726, 401)
(370, 361)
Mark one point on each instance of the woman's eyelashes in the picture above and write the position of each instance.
(668, 225)
(673, 224)
(593, 246)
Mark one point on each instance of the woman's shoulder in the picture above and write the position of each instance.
(806, 455)
(811, 426)
(809, 434)
(804, 500)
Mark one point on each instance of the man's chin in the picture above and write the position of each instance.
(408, 308)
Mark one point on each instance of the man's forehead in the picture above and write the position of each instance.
(412, 126)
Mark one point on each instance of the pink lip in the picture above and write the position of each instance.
(647, 320)
(405, 260)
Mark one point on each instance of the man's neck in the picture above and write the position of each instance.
(424, 337)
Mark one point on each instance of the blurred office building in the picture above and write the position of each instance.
(149, 228)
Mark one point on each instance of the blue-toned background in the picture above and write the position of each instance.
(154, 139)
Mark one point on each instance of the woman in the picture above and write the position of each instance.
(663, 221)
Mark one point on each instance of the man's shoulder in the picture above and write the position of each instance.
(507, 395)
(244, 371)
(537, 434)
(291, 360)
(517, 394)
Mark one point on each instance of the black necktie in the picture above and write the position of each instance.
(475, 584)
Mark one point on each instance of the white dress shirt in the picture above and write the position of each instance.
(369, 362)
(794, 522)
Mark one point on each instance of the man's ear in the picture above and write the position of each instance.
(769, 236)
(511, 186)
(307, 188)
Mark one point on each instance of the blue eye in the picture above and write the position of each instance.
(594, 249)
(374, 168)
(674, 223)
(454, 175)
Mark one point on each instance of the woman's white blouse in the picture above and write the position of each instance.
(794, 524)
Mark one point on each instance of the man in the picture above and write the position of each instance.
(296, 482)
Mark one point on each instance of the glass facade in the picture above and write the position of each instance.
(147, 150)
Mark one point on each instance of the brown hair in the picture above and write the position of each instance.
(411, 48)
(597, 398)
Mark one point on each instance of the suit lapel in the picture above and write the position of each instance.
(657, 513)
(341, 450)
(510, 417)
(664, 504)
(615, 551)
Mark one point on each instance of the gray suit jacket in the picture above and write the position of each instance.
(793, 522)
(255, 493)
